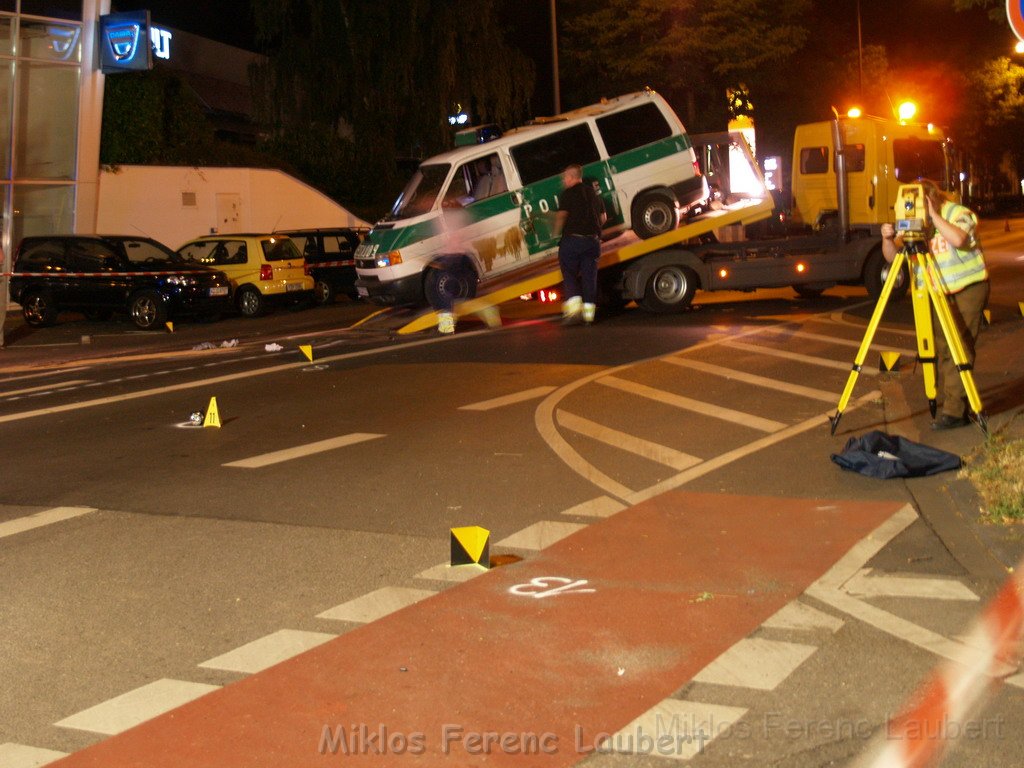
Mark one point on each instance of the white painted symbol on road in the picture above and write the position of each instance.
(545, 586)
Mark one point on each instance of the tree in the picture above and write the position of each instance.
(384, 77)
(992, 126)
(692, 51)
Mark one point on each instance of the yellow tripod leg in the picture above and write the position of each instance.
(924, 331)
(869, 335)
(956, 345)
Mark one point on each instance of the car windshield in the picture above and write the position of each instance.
(142, 251)
(280, 249)
(421, 192)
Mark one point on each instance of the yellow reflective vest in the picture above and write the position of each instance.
(960, 267)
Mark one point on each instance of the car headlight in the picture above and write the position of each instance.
(390, 259)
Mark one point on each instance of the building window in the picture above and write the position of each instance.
(55, 9)
(42, 209)
(46, 126)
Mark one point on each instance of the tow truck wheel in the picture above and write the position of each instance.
(876, 271)
(653, 214)
(669, 289)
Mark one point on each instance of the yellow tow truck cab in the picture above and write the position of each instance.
(880, 156)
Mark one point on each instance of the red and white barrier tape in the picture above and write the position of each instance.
(95, 274)
(938, 714)
(343, 263)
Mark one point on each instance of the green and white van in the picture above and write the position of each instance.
(480, 212)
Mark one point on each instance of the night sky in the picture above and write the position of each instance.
(228, 21)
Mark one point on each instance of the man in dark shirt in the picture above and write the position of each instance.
(579, 220)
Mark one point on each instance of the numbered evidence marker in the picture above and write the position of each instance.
(212, 414)
(170, 326)
(307, 350)
(471, 545)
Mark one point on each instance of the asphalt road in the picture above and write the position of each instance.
(331, 479)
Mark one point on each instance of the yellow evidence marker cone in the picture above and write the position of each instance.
(170, 326)
(212, 414)
(471, 544)
(890, 361)
(307, 350)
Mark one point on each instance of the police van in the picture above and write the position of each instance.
(484, 211)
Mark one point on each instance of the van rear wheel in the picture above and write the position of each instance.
(654, 214)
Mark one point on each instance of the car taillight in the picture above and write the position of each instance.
(306, 269)
(266, 272)
(696, 168)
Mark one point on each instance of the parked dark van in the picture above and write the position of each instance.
(103, 274)
(330, 259)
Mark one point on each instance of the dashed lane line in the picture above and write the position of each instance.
(854, 343)
(267, 651)
(130, 709)
(689, 404)
(43, 389)
(376, 604)
(300, 451)
(514, 398)
(22, 756)
(751, 378)
(38, 520)
(55, 372)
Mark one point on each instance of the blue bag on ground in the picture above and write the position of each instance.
(877, 454)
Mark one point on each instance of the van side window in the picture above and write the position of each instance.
(814, 160)
(632, 128)
(549, 155)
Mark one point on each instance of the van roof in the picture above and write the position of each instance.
(541, 125)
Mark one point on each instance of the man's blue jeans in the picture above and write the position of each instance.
(577, 257)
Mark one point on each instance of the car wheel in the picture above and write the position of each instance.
(39, 309)
(323, 293)
(447, 283)
(876, 271)
(250, 302)
(653, 214)
(147, 310)
(670, 288)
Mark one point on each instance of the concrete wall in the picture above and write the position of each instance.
(175, 204)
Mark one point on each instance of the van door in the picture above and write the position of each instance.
(481, 216)
(540, 163)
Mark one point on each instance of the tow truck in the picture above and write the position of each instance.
(845, 176)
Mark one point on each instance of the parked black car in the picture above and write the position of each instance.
(330, 261)
(103, 274)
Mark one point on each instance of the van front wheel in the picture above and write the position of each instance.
(653, 214)
(448, 283)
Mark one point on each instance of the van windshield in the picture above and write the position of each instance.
(420, 193)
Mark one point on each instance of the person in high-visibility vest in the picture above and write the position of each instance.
(964, 280)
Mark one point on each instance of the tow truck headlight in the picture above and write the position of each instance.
(389, 259)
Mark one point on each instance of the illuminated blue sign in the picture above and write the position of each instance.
(125, 42)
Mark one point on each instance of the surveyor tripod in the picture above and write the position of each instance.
(927, 294)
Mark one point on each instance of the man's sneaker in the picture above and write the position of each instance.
(572, 310)
(945, 421)
(589, 310)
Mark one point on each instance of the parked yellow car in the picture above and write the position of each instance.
(263, 269)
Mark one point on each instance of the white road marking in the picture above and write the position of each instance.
(267, 651)
(206, 383)
(20, 756)
(39, 519)
(755, 662)
(299, 451)
(635, 445)
(130, 709)
(673, 729)
(452, 573)
(854, 343)
(54, 372)
(518, 397)
(754, 379)
(376, 604)
(541, 535)
(801, 617)
(689, 404)
(43, 388)
(866, 583)
(602, 506)
(796, 357)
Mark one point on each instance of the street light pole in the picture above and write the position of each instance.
(860, 57)
(554, 59)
